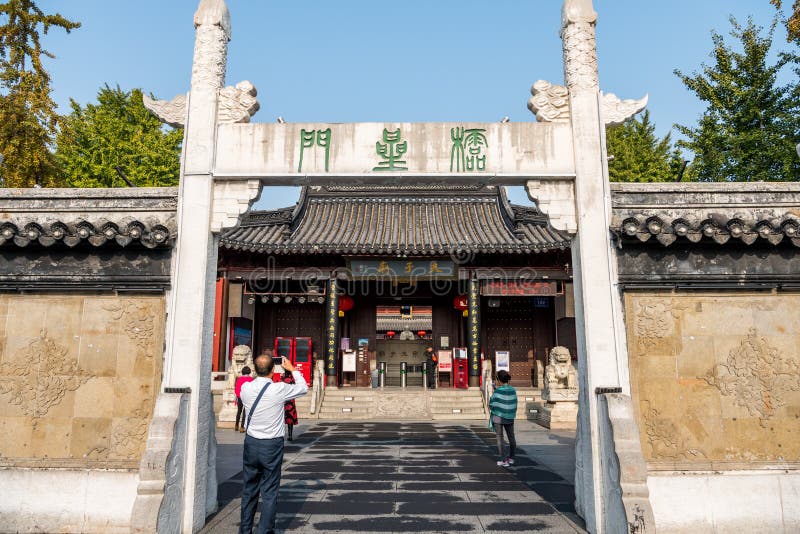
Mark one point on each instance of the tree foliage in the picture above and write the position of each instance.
(100, 143)
(793, 22)
(28, 117)
(639, 155)
(752, 123)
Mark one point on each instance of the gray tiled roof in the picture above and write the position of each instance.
(397, 220)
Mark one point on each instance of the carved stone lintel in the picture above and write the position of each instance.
(231, 200)
(550, 103)
(616, 111)
(556, 198)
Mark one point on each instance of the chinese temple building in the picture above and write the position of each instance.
(378, 274)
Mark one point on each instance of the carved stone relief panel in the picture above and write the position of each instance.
(80, 391)
(715, 379)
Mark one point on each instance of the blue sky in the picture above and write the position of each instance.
(415, 60)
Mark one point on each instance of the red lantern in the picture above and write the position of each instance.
(421, 333)
(390, 334)
(346, 303)
(461, 302)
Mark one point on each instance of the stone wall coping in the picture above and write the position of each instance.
(13, 200)
(739, 213)
(685, 195)
(118, 216)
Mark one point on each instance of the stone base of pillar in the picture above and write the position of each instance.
(474, 381)
(331, 382)
(227, 414)
(556, 415)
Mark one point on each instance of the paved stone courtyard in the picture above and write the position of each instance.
(409, 477)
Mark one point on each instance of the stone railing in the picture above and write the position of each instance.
(628, 506)
(317, 387)
(157, 505)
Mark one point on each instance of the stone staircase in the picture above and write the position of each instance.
(526, 397)
(411, 404)
(304, 406)
(347, 403)
(457, 404)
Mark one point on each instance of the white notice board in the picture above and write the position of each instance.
(502, 360)
(445, 361)
(349, 361)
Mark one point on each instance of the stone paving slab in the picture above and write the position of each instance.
(403, 477)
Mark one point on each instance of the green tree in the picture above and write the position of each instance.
(752, 124)
(639, 155)
(28, 117)
(793, 22)
(100, 143)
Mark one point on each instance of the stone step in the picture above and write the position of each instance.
(345, 417)
(457, 417)
(476, 413)
(339, 395)
(448, 409)
(335, 403)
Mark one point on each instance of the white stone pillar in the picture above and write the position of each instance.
(601, 353)
(190, 332)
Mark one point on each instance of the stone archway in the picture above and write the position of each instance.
(225, 164)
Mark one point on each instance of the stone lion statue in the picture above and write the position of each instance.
(242, 356)
(560, 373)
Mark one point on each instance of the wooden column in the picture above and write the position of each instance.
(332, 333)
(474, 333)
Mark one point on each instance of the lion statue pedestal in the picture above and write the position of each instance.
(242, 356)
(559, 409)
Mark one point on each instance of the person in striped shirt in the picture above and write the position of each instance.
(503, 408)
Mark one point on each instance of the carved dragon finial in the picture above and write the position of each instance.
(212, 23)
(578, 11)
(213, 12)
(578, 20)
(172, 112)
(550, 103)
(616, 111)
(236, 104)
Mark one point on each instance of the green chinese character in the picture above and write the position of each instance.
(391, 150)
(324, 141)
(457, 161)
(310, 138)
(467, 151)
(475, 141)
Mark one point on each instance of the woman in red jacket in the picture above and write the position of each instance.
(238, 390)
(290, 408)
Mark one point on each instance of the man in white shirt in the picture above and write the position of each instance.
(263, 442)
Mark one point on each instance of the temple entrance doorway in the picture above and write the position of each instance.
(395, 353)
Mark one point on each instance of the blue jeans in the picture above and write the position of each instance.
(262, 474)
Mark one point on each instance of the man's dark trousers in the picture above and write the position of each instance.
(262, 474)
